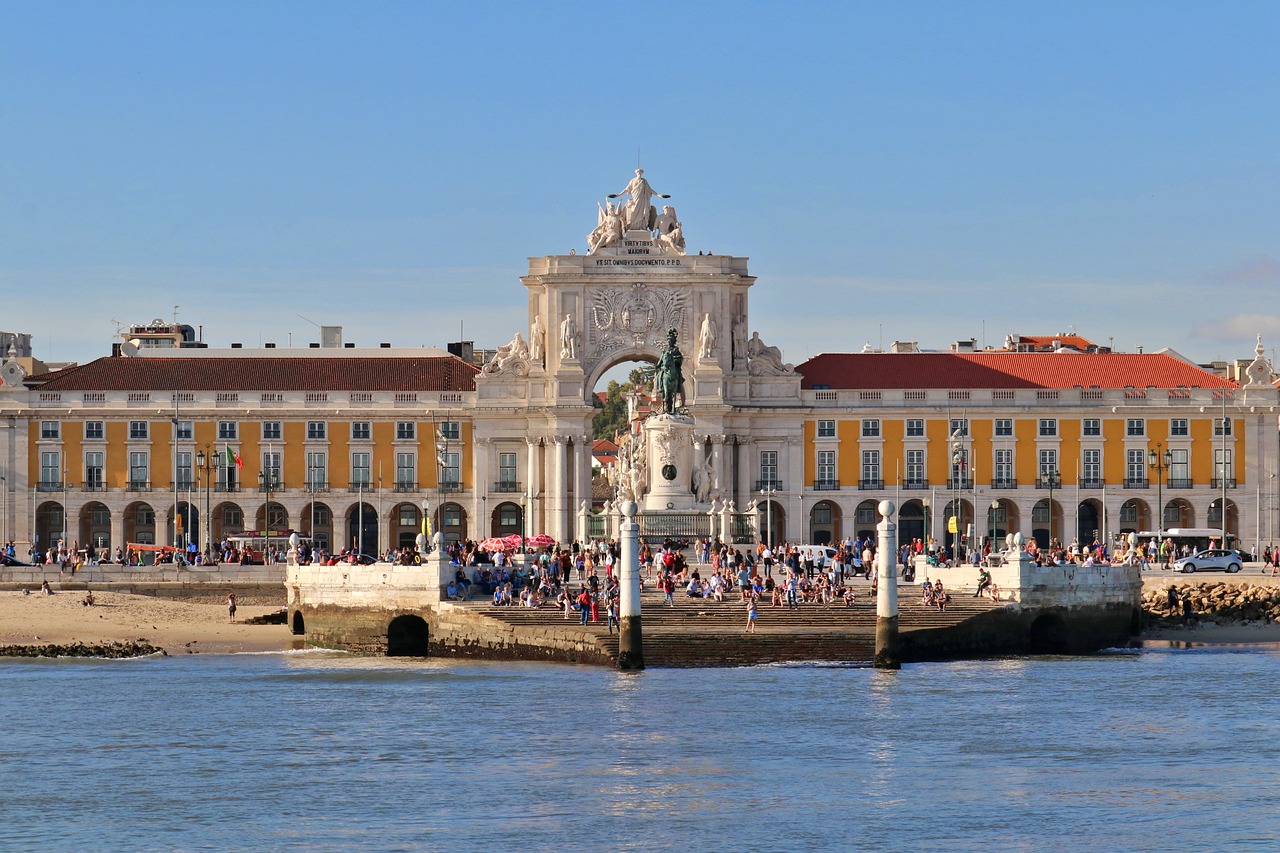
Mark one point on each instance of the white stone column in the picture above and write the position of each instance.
(718, 464)
(582, 481)
(560, 490)
(481, 451)
(748, 465)
(532, 486)
(630, 644)
(887, 590)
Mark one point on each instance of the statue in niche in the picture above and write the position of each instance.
(669, 376)
(568, 337)
(608, 230)
(510, 358)
(638, 212)
(739, 339)
(707, 338)
(704, 480)
(764, 360)
(537, 339)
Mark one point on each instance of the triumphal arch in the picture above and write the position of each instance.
(616, 301)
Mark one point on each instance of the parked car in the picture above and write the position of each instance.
(1212, 560)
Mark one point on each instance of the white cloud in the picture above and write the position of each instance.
(1240, 327)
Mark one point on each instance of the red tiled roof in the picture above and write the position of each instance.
(1004, 370)
(1045, 342)
(391, 373)
(603, 445)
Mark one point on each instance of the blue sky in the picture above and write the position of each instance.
(914, 171)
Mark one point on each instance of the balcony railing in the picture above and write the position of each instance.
(776, 485)
(317, 486)
(226, 487)
(1231, 482)
(1137, 483)
(49, 486)
(826, 485)
(450, 485)
(405, 486)
(1090, 484)
(1004, 483)
(507, 486)
(915, 484)
(961, 483)
(1043, 483)
(360, 486)
(185, 486)
(94, 486)
(1179, 483)
(867, 484)
(138, 486)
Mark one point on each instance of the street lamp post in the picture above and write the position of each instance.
(957, 477)
(1053, 479)
(1159, 462)
(995, 509)
(768, 492)
(207, 464)
(426, 533)
(1226, 427)
(267, 479)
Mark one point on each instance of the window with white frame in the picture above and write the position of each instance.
(451, 476)
(360, 472)
(51, 468)
(1221, 427)
(915, 466)
(93, 431)
(232, 518)
(870, 427)
(1129, 512)
(1135, 467)
(186, 472)
(451, 430)
(915, 427)
(1179, 467)
(50, 429)
(1004, 427)
(1004, 466)
(228, 431)
(271, 468)
(507, 468)
(826, 466)
(94, 469)
(1048, 427)
(406, 470)
(1048, 463)
(960, 425)
(1135, 426)
(769, 467)
(1223, 467)
(871, 466)
(318, 430)
(361, 431)
(1091, 465)
(271, 431)
(139, 430)
(826, 429)
(139, 468)
(185, 431)
(865, 513)
(1092, 427)
(406, 430)
(1179, 427)
(1040, 512)
(317, 469)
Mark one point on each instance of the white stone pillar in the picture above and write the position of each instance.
(532, 487)
(630, 644)
(560, 490)
(887, 590)
(717, 464)
(582, 482)
(481, 451)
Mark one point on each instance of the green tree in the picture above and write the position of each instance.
(611, 413)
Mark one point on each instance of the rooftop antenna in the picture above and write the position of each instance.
(312, 322)
(119, 326)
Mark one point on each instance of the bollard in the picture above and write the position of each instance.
(630, 645)
(887, 594)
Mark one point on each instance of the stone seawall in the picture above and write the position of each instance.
(1081, 629)
(1213, 601)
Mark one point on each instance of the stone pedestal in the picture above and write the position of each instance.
(886, 590)
(669, 451)
(630, 631)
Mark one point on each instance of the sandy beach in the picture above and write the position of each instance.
(177, 627)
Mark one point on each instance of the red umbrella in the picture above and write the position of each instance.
(513, 540)
(494, 544)
(542, 540)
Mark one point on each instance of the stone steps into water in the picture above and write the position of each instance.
(704, 632)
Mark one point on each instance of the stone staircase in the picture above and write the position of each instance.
(706, 633)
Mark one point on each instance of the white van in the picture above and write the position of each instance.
(820, 557)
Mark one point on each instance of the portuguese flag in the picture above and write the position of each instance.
(232, 456)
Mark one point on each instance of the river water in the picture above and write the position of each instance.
(1163, 749)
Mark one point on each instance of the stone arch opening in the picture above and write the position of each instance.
(1048, 635)
(865, 519)
(95, 526)
(407, 636)
(824, 523)
(773, 522)
(1214, 517)
(362, 529)
(1089, 521)
(962, 511)
(451, 520)
(911, 522)
(1133, 516)
(1046, 522)
(140, 523)
(228, 519)
(1001, 520)
(273, 517)
(317, 519)
(1179, 513)
(49, 524)
(406, 523)
(298, 625)
(508, 519)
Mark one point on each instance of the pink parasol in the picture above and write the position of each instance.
(494, 544)
(542, 540)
